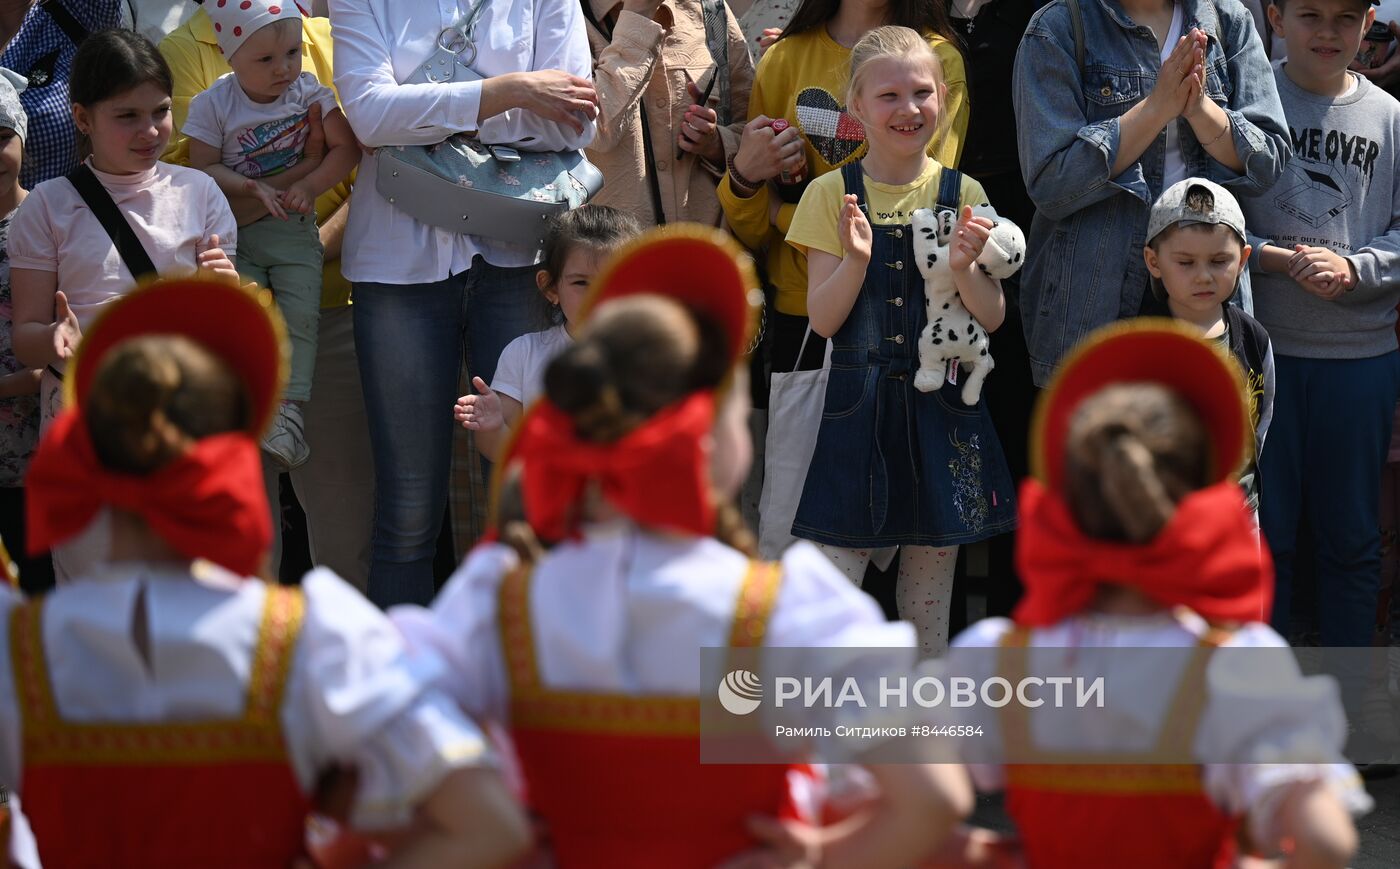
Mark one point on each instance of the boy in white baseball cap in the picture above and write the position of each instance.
(1196, 249)
(253, 124)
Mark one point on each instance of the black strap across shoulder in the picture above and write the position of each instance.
(128, 245)
(71, 27)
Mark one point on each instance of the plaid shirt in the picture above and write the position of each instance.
(43, 53)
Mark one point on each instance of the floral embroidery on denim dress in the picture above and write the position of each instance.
(969, 495)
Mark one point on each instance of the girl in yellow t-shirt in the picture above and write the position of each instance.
(802, 79)
(895, 467)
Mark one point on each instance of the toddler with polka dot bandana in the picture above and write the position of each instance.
(252, 125)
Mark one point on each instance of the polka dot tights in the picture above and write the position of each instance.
(924, 590)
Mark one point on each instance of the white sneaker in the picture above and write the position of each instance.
(285, 440)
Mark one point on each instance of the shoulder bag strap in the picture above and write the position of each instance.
(128, 245)
(653, 180)
(716, 17)
(74, 29)
(1076, 21)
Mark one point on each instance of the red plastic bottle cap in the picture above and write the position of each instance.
(779, 125)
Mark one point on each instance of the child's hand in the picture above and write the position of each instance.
(66, 332)
(700, 129)
(299, 197)
(1173, 87)
(217, 263)
(1321, 271)
(268, 196)
(481, 412)
(854, 230)
(969, 239)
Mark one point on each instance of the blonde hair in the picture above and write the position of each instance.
(890, 41)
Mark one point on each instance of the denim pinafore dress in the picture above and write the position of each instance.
(894, 466)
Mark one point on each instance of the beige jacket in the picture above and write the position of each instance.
(651, 60)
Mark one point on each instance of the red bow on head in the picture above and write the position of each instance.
(658, 473)
(208, 503)
(1207, 558)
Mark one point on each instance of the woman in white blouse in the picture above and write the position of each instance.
(418, 288)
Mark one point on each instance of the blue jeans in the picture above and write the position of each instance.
(1323, 460)
(409, 338)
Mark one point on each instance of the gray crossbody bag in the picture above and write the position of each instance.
(466, 186)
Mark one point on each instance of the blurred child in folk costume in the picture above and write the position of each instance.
(1135, 536)
(589, 652)
(224, 697)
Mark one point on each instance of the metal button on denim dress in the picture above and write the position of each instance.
(895, 466)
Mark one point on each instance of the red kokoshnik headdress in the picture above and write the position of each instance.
(658, 473)
(208, 503)
(1207, 557)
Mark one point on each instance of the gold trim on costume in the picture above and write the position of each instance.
(255, 736)
(532, 705)
(1108, 778)
(757, 596)
(1157, 770)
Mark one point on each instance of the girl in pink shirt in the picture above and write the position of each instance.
(64, 264)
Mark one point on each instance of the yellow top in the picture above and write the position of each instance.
(803, 79)
(196, 63)
(815, 222)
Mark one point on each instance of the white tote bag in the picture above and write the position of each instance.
(795, 401)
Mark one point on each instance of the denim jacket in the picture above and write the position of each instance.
(1084, 264)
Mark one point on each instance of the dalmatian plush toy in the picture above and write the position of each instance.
(952, 333)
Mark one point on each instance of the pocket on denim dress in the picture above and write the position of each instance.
(847, 390)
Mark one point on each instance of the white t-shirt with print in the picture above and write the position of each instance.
(257, 139)
(520, 371)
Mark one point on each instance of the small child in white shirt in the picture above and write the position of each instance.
(254, 124)
(575, 249)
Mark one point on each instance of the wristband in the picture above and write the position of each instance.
(737, 179)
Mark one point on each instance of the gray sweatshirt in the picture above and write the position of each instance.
(1341, 190)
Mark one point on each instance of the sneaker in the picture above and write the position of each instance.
(285, 440)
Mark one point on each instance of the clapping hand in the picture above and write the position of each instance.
(854, 230)
(66, 332)
(969, 239)
(1173, 90)
(1196, 98)
(217, 263)
(480, 412)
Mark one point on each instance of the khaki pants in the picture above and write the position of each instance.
(336, 486)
